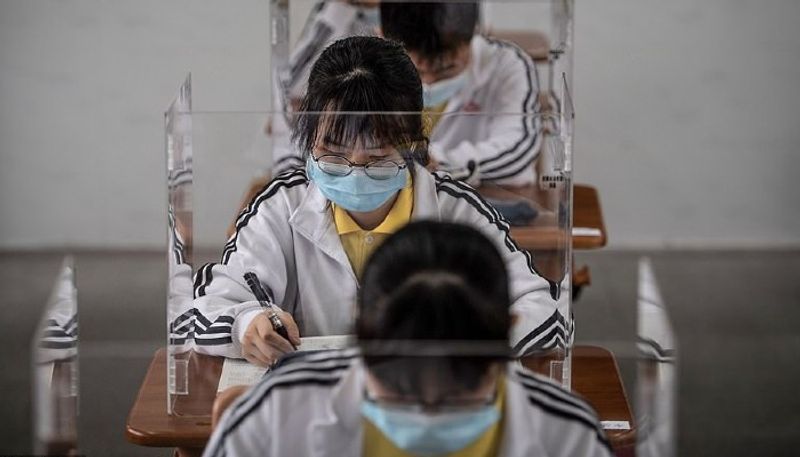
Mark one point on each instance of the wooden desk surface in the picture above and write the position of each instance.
(543, 234)
(594, 373)
(534, 42)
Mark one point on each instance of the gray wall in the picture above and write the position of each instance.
(686, 114)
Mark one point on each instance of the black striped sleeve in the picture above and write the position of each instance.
(202, 278)
(550, 334)
(462, 191)
(565, 405)
(323, 369)
(289, 163)
(178, 247)
(59, 336)
(286, 180)
(517, 158)
(302, 57)
(194, 325)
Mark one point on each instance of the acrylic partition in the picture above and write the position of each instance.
(240, 201)
(656, 393)
(54, 350)
(301, 29)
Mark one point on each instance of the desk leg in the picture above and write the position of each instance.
(627, 451)
(187, 452)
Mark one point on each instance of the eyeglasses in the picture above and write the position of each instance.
(441, 405)
(336, 165)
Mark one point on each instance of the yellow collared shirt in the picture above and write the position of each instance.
(358, 243)
(376, 443)
(431, 117)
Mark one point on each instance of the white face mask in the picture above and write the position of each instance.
(441, 91)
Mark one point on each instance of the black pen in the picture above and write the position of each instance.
(261, 296)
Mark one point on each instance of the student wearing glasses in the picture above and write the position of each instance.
(308, 233)
(431, 375)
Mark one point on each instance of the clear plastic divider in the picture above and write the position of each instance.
(55, 376)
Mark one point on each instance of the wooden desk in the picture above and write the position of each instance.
(542, 234)
(535, 43)
(594, 372)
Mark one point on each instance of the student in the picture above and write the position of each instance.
(308, 233)
(462, 73)
(429, 287)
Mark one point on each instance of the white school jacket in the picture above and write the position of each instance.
(288, 238)
(480, 125)
(310, 407)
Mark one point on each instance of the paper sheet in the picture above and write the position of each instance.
(318, 343)
(616, 425)
(237, 372)
(586, 231)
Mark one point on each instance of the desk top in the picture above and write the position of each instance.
(594, 373)
(543, 234)
(534, 42)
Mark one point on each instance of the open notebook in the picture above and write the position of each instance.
(237, 372)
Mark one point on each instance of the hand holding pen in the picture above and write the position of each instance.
(271, 333)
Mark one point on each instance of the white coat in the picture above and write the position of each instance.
(491, 122)
(288, 238)
(310, 407)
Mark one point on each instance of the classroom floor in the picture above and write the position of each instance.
(737, 316)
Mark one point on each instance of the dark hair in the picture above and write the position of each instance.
(431, 29)
(433, 281)
(362, 74)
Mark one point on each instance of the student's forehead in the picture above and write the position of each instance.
(438, 62)
(363, 141)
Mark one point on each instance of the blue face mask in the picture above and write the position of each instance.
(371, 18)
(430, 434)
(441, 91)
(356, 191)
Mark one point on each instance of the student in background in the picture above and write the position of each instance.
(466, 73)
(308, 234)
(432, 376)
(462, 74)
(328, 21)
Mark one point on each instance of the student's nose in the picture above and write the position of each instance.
(359, 156)
(428, 78)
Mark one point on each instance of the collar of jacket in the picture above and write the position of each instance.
(313, 218)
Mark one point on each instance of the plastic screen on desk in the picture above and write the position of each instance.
(657, 371)
(54, 350)
(301, 29)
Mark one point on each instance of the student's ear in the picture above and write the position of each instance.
(379, 31)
